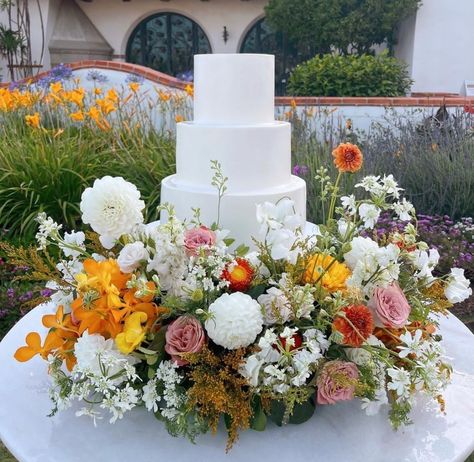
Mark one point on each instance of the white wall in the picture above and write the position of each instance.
(40, 33)
(443, 36)
(212, 16)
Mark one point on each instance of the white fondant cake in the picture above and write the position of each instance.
(233, 124)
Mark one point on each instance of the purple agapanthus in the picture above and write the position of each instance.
(134, 78)
(59, 73)
(187, 76)
(95, 75)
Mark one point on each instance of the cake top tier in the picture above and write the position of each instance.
(234, 89)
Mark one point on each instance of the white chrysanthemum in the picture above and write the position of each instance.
(112, 207)
(236, 320)
(131, 256)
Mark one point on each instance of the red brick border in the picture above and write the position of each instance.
(415, 100)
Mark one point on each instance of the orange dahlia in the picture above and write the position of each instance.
(327, 271)
(356, 324)
(239, 274)
(347, 157)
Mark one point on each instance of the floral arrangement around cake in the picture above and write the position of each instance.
(174, 317)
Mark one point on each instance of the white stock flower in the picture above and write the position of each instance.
(280, 215)
(112, 207)
(360, 248)
(425, 261)
(276, 306)
(73, 239)
(458, 288)
(236, 320)
(251, 369)
(281, 242)
(404, 210)
(369, 214)
(372, 407)
(131, 256)
(349, 203)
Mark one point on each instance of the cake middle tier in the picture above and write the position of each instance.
(251, 156)
(237, 210)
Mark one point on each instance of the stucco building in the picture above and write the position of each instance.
(164, 35)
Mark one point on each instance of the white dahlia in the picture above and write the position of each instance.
(236, 320)
(112, 207)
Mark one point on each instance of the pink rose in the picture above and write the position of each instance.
(184, 335)
(332, 382)
(196, 238)
(390, 306)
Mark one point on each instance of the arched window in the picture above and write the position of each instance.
(167, 42)
(261, 39)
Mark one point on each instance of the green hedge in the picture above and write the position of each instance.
(350, 75)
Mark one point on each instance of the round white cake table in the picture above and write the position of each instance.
(335, 433)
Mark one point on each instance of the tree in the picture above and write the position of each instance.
(348, 26)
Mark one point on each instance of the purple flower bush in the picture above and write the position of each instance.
(14, 295)
(454, 240)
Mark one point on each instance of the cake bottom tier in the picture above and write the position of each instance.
(237, 211)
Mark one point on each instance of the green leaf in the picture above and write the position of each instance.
(302, 412)
(277, 412)
(259, 419)
(256, 291)
(242, 250)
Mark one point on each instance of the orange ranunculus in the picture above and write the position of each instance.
(327, 271)
(179, 118)
(347, 157)
(355, 323)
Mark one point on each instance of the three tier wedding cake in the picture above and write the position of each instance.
(234, 124)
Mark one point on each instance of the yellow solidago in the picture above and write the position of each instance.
(327, 271)
(133, 333)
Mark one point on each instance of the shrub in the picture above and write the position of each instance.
(337, 75)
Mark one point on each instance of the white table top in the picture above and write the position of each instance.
(335, 433)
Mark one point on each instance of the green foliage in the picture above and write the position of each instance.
(42, 171)
(339, 75)
(345, 25)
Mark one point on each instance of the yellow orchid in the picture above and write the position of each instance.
(133, 333)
